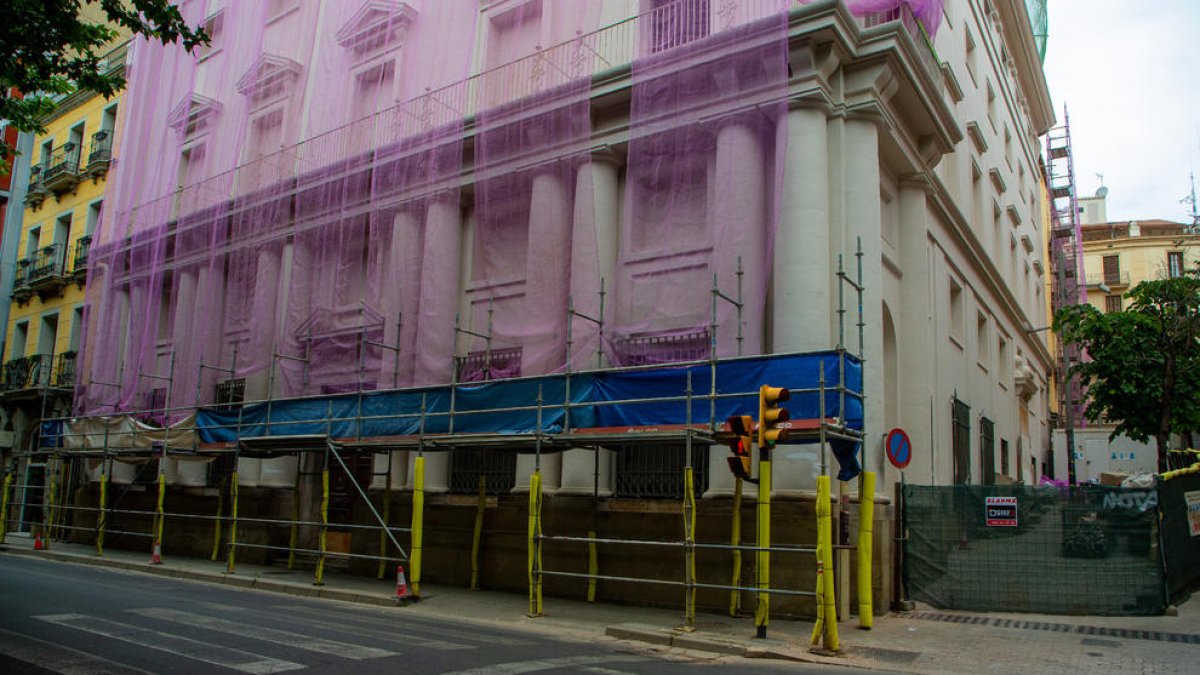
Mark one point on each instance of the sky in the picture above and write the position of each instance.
(1129, 73)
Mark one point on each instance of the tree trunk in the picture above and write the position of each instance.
(1163, 446)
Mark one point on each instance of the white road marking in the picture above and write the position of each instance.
(236, 659)
(518, 667)
(60, 659)
(428, 643)
(604, 671)
(344, 650)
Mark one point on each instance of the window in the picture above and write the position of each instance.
(231, 391)
(1004, 456)
(971, 56)
(214, 25)
(93, 217)
(62, 228)
(277, 8)
(1003, 362)
(48, 335)
(956, 312)
(1112, 303)
(514, 33)
(76, 338)
(678, 22)
(47, 151)
(960, 421)
(1174, 264)
(1112, 270)
(991, 105)
(20, 336)
(982, 340)
(32, 242)
(498, 469)
(656, 471)
(987, 450)
(374, 90)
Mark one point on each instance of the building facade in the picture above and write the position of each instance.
(65, 178)
(329, 204)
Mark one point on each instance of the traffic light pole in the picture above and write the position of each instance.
(762, 613)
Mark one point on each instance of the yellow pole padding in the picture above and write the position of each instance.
(535, 543)
(216, 551)
(762, 614)
(418, 526)
(102, 515)
(1194, 468)
(689, 533)
(387, 510)
(819, 627)
(294, 535)
(481, 504)
(159, 518)
(231, 556)
(825, 546)
(4, 506)
(735, 539)
(323, 537)
(866, 528)
(593, 566)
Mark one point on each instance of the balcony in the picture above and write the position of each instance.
(1118, 280)
(37, 192)
(42, 273)
(33, 375)
(79, 262)
(61, 173)
(101, 155)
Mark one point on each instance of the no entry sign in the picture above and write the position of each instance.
(898, 448)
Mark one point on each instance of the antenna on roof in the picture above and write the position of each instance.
(1191, 198)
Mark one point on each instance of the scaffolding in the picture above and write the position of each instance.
(1066, 264)
(327, 443)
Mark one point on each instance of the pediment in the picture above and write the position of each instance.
(376, 24)
(193, 111)
(269, 72)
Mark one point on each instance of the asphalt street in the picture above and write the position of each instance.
(62, 618)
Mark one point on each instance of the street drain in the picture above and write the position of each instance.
(1098, 631)
(893, 656)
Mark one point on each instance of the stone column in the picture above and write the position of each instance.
(401, 298)
(183, 338)
(263, 343)
(593, 250)
(437, 471)
(802, 307)
(916, 366)
(739, 219)
(439, 292)
(546, 280)
(863, 223)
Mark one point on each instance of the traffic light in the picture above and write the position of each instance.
(741, 426)
(770, 415)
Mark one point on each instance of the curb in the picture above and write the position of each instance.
(759, 649)
(220, 578)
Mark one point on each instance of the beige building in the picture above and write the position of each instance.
(1119, 255)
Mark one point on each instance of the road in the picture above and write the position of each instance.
(74, 619)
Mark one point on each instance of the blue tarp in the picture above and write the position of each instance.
(600, 399)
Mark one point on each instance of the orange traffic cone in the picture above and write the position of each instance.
(402, 596)
(38, 544)
(156, 555)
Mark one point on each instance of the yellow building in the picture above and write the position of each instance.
(1119, 255)
(63, 203)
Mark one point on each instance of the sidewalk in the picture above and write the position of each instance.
(924, 641)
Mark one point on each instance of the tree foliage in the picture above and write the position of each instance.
(1143, 366)
(48, 49)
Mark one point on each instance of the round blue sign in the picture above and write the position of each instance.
(898, 448)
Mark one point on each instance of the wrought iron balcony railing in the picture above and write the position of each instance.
(1110, 280)
(39, 371)
(36, 193)
(79, 262)
(101, 154)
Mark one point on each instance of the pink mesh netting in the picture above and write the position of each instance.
(316, 202)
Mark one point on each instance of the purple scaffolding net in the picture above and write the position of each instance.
(324, 201)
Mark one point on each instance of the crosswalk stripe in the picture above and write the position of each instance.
(282, 637)
(457, 631)
(58, 658)
(236, 659)
(518, 667)
(403, 637)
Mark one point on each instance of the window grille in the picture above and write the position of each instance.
(231, 392)
(961, 425)
(494, 364)
(644, 350)
(497, 466)
(656, 471)
(1112, 303)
